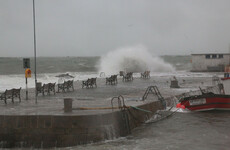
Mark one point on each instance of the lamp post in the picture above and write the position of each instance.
(35, 61)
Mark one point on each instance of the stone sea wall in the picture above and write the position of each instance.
(41, 131)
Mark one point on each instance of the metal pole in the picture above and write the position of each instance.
(35, 61)
(26, 90)
(229, 56)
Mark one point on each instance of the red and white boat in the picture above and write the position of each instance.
(206, 101)
(209, 100)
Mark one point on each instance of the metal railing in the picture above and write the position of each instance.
(120, 102)
(154, 90)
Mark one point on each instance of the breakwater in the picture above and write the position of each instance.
(41, 131)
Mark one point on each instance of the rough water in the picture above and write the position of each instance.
(12, 71)
(190, 131)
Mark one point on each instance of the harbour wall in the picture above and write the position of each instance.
(43, 131)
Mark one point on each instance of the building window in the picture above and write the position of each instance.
(207, 56)
(221, 56)
(214, 56)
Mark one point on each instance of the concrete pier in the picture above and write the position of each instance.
(52, 123)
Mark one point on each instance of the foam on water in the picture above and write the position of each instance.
(18, 80)
(134, 59)
(179, 110)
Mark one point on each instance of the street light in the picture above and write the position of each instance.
(35, 61)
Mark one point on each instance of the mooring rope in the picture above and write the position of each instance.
(154, 121)
(166, 115)
(141, 109)
(133, 116)
(138, 120)
(157, 113)
(96, 108)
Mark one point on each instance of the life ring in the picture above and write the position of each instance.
(28, 73)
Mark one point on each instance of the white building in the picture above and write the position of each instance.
(210, 62)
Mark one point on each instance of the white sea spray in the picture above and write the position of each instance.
(134, 59)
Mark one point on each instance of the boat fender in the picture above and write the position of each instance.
(180, 106)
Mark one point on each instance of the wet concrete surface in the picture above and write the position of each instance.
(101, 96)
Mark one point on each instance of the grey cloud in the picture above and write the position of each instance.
(94, 27)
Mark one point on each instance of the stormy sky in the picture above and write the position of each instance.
(95, 27)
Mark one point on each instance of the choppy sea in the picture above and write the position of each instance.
(182, 131)
(12, 73)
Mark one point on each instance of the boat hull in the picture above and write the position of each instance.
(208, 102)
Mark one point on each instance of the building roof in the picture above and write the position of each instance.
(212, 54)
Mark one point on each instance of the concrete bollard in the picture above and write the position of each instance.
(68, 105)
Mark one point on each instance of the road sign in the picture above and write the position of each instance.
(26, 63)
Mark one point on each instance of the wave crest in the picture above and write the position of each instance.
(134, 59)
